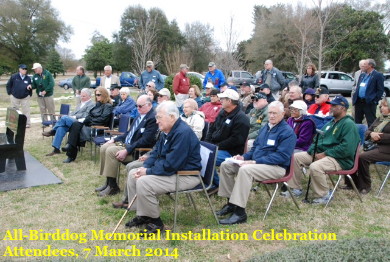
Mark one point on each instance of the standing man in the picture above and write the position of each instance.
(181, 85)
(369, 91)
(43, 82)
(19, 90)
(150, 74)
(79, 82)
(273, 78)
(356, 77)
(269, 158)
(109, 79)
(214, 76)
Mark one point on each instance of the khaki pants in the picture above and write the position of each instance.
(46, 105)
(23, 104)
(149, 187)
(179, 99)
(132, 165)
(238, 192)
(319, 183)
(109, 165)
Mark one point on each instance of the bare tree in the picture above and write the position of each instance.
(67, 58)
(144, 43)
(172, 60)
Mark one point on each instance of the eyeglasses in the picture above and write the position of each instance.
(148, 85)
(317, 96)
(140, 106)
(160, 95)
(293, 109)
(24, 68)
(98, 94)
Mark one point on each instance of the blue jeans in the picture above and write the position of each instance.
(222, 154)
(61, 127)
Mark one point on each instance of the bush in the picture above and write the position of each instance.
(169, 81)
(344, 250)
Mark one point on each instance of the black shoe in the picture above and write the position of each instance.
(365, 191)
(65, 148)
(212, 191)
(49, 133)
(226, 209)
(101, 188)
(68, 160)
(152, 229)
(234, 219)
(109, 191)
(55, 152)
(137, 221)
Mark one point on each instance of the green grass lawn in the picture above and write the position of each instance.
(73, 205)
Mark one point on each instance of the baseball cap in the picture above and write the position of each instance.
(22, 66)
(259, 96)
(229, 93)
(36, 65)
(322, 91)
(184, 66)
(299, 104)
(309, 91)
(211, 64)
(245, 84)
(164, 92)
(264, 86)
(149, 63)
(113, 86)
(339, 100)
(233, 87)
(209, 85)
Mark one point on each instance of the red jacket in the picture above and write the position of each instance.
(181, 83)
(322, 110)
(211, 111)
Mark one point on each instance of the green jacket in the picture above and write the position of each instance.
(257, 119)
(339, 141)
(80, 82)
(44, 82)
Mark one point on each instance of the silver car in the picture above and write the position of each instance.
(387, 83)
(337, 82)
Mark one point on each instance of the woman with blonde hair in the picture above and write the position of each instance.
(193, 117)
(99, 115)
(194, 93)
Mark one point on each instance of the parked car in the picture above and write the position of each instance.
(238, 77)
(387, 83)
(128, 79)
(198, 75)
(66, 83)
(288, 77)
(337, 82)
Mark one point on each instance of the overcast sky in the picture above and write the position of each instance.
(104, 16)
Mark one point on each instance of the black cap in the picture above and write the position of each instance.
(22, 66)
(113, 86)
(245, 84)
(322, 91)
(339, 100)
(264, 86)
(259, 96)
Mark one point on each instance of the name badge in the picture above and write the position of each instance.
(165, 141)
(362, 84)
(228, 121)
(327, 127)
(26, 82)
(270, 142)
(36, 78)
(142, 130)
(215, 108)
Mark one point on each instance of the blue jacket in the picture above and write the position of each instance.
(273, 147)
(18, 87)
(175, 151)
(153, 76)
(375, 88)
(217, 79)
(124, 107)
(144, 135)
(277, 80)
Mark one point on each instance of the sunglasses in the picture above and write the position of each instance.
(140, 106)
(317, 96)
(160, 95)
(24, 68)
(98, 94)
(148, 85)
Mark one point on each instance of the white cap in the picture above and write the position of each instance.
(36, 65)
(209, 85)
(165, 92)
(229, 93)
(301, 105)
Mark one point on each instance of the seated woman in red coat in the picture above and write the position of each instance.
(211, 109)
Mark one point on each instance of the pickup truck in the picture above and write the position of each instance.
(238, 77)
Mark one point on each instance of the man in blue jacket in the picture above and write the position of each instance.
(369, 90)
(214, 76)
(273, 78)
(269, 158)
(19, 90)
(150, 74)
(177, 149)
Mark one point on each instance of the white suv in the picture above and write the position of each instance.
(387, 83)
(337, 82)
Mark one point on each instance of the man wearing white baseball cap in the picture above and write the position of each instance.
(230, 129)
(43, 82)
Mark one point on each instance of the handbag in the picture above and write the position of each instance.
(369, 145)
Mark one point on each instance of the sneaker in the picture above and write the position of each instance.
(295, 192)
(322, 200)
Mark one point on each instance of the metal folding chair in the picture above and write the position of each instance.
(64, 110)
(386, 177)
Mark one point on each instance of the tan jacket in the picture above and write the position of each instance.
(114, 80)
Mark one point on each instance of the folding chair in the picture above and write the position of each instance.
(384, 163)
(208, 154)
(346, 173)
(64, 110)
(289, 174)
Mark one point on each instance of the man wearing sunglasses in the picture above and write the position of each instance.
(19, 90)
(320, 107)
(141, 133)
